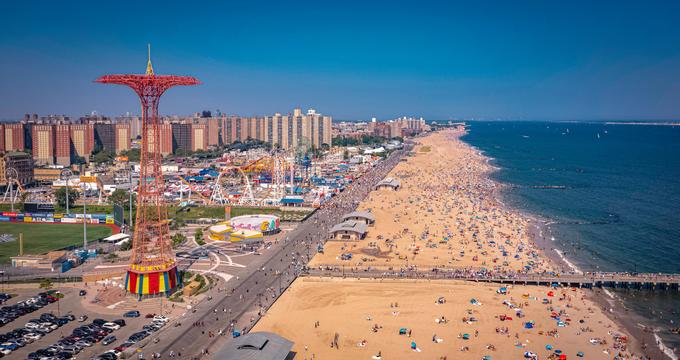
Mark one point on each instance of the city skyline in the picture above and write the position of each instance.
(576, 61)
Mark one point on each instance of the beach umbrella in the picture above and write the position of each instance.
(413, 345)
(558, 351)
(580, 354)
(529, 355)
(548, 347)
(528, 325)
(466, 336)
(486, 357)
(563, 357)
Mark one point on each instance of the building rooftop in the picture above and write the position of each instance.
(256, 346)
(360, 214)
(395, 183)
(351, 225)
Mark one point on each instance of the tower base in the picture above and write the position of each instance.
(143, 283)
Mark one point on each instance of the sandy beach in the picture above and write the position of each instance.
(438, 315)
(446, 215)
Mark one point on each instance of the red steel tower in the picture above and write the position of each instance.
(153, 269)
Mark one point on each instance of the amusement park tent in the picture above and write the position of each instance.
(116, 238)
(290, 200)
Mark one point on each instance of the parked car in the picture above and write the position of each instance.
(108, 340)
(133, 313)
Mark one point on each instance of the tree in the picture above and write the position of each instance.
(46, 284)
(60, 194)
(103, 156)
(122, 198)
(132, 154)
(199, 237)
(125, 246)
(178, 239)
(78, 160)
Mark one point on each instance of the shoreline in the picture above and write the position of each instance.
(449, 214)
(610, 304)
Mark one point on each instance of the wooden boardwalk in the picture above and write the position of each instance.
(646, 281)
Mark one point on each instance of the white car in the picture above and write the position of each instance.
(160, 318)
(32, 325)
(111, 326)
(32, 336)
(116, 353)
(5, 351)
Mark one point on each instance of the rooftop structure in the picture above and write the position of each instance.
(388, 183)
(257, 346)
(349, 230)
(363, 216)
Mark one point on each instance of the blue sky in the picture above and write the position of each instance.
(353, 60)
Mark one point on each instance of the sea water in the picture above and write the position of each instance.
(619, 208)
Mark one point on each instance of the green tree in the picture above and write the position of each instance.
(78, 160)
(178, 239)
(103, 156)
(126, 246)
(199, 237)
(46, 284)
(122, 197)
(60, 194)
(132, 154)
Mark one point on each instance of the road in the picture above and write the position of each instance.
(264, 279)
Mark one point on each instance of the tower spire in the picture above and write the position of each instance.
(149, 67)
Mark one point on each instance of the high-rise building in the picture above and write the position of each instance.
(14, 137)
(2, 138)
(165, 138)
(181, 137)
(199, 137)
(122, 137)
(43, 144)
(105, 136)
(213, 129)
(82, 140)
(62, 144)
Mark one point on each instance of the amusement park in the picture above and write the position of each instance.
(168, 240)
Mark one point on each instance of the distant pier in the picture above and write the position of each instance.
(614, 280)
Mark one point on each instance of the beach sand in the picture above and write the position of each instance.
(351, 308)
(447, 214)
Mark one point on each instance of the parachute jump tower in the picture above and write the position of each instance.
(152, 269)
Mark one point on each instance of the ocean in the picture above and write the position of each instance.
(617, 202)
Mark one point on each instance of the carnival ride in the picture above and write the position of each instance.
(274, 176)
(13, 187)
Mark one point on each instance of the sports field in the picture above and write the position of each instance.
(41, 238)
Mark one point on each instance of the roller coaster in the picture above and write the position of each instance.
(273, 173)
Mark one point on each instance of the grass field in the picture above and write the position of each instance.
(174, 212)
(41, 238)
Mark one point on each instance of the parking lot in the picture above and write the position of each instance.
(70, 304)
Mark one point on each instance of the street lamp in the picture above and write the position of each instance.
(130, 200)
(66, 174)
(84, 218)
